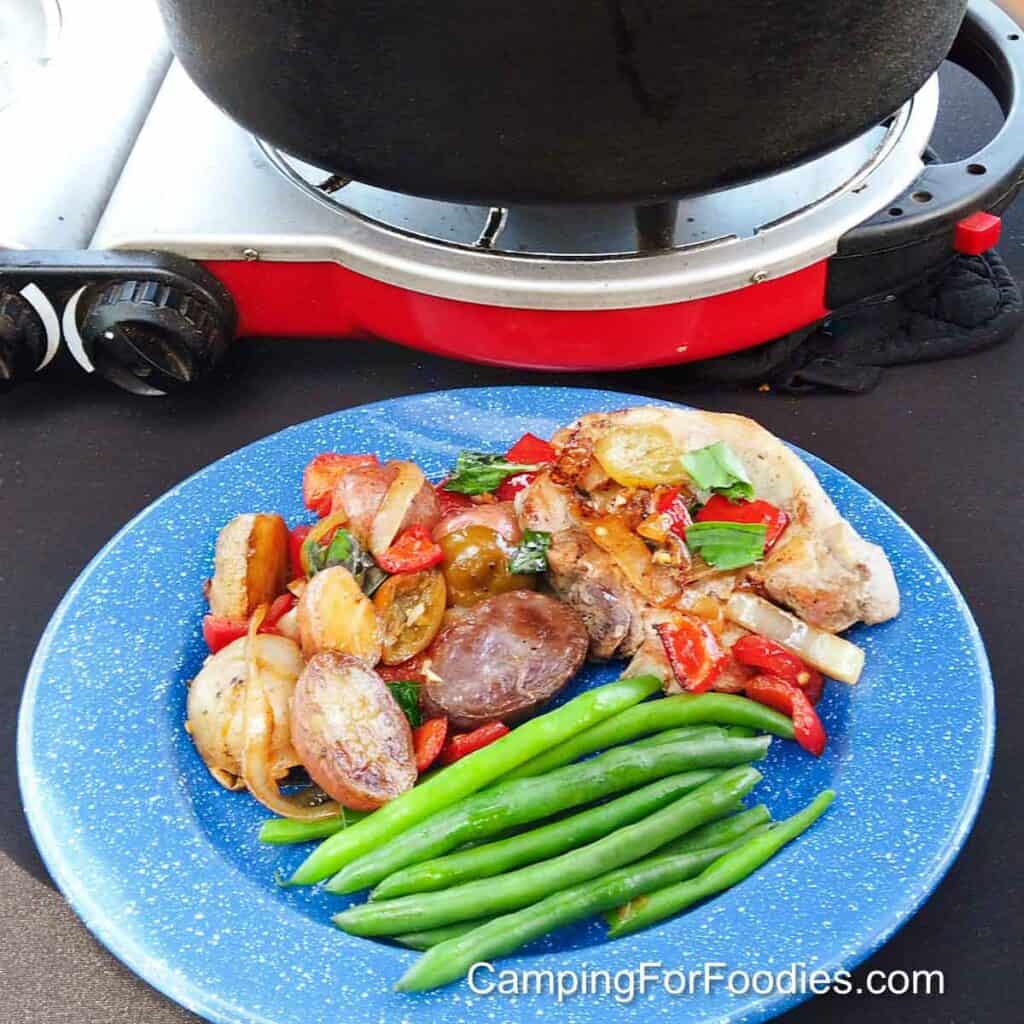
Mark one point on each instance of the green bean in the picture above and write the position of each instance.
(724, 833)
(450, 959)
(724, 873)
(471, 774)
(527, 885)
(434, 936)
(509, 804)
(657, 738)
(285, 831)
(741, 730)
(717, 832)
(656, 716)
(537, 844)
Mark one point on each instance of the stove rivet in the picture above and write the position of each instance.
(251, 254)
(759, 276)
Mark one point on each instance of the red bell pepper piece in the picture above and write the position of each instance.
(469, 742)
(772, 658)
(511, 486)
(414, 551)
(296, 539)
(721, 510)
(673, 505)
(323, 473)
(530, 450)
(280, 607)
(427, 742)
(788, 698)
(693, 651)
(218, 632)
(451, 501)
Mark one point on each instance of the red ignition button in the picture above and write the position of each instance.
(977, 234)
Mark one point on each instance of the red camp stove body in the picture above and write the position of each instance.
(306, 254)
(328, 300)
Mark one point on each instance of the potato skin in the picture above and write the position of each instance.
(335, 615)
(361, 491)
(350, 733)
(499, 517)
(250, 565)
(502, 659)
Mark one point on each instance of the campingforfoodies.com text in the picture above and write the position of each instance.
(655, 977)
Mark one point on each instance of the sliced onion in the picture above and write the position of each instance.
(288, 625)
(395, 506)
(633, 557)
(832, 655)
(259, 726)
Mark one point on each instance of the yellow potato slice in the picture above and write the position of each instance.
(335, 615)
(250, 565)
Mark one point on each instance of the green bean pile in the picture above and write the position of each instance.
(657, 824)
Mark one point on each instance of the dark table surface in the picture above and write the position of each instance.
(940, 443)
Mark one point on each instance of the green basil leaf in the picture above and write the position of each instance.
(346, 551)
(407, 693)
(314, 556)
(341, 549)
(717, 468)
(728, 545)
(481, 472)
(532, 553)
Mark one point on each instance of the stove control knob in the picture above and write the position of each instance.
(22, 339)
(151, 338)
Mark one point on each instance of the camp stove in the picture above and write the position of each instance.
(203, 232)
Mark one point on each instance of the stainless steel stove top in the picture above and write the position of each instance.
(77, 79)
(198, 185)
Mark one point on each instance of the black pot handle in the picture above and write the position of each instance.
(918, 227)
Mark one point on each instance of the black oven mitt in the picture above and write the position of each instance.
(970, 304)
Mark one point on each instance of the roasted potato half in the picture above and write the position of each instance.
(410, 608)
(350, 733)
(250, 565)
(335, 615)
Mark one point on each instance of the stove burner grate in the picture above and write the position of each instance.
(609, 230)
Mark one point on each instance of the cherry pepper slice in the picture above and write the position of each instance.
(788, 698)
(673, 505)
(414, 551)
(530, 449)
(772, 658)
(470, 742)
(693, 651)
(428, 741)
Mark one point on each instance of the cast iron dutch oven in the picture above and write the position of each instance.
(559, 100)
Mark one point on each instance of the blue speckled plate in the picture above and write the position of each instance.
(163, 865)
